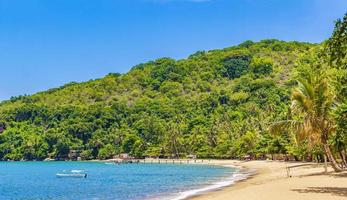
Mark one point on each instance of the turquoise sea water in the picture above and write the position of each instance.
(37, 180)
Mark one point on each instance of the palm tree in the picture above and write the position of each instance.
(311, 103)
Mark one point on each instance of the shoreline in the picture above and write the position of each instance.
(244, 174)
(240, 174)
(270, 181)
(265, 180)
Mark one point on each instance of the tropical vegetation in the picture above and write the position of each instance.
(256, 99)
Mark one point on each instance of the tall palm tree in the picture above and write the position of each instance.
(312, 102)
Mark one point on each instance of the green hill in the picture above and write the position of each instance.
(217, 104)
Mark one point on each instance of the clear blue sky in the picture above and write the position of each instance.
(47, 43)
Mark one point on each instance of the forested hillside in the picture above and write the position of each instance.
(214, 104)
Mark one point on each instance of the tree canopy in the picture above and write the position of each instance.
(215, 104)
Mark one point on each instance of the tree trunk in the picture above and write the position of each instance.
(331, 158)
(343, 159)
(325, 164)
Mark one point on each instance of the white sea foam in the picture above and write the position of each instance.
(237, 176)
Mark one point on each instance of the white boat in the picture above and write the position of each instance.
(72, 174)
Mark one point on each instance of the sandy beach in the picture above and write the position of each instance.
(270, 181)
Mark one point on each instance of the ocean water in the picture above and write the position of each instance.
(37, 180)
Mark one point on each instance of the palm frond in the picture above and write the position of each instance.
(285, 126)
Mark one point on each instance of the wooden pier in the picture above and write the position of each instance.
(160, 161)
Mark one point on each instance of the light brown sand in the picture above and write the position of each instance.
(271, 182)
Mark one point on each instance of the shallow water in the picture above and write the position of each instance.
(37, 180)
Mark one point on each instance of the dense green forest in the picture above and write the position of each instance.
(213, 104)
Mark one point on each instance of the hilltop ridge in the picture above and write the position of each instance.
(210, 104)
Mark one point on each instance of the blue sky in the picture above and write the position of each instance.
(47, 43)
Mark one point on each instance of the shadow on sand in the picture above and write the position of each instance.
(341, 175)
(337, 191)
(332, 174)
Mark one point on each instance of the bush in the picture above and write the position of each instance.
(107, 152)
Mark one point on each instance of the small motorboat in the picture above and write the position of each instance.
(72, 174)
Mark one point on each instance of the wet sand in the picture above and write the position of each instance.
(270, 182)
